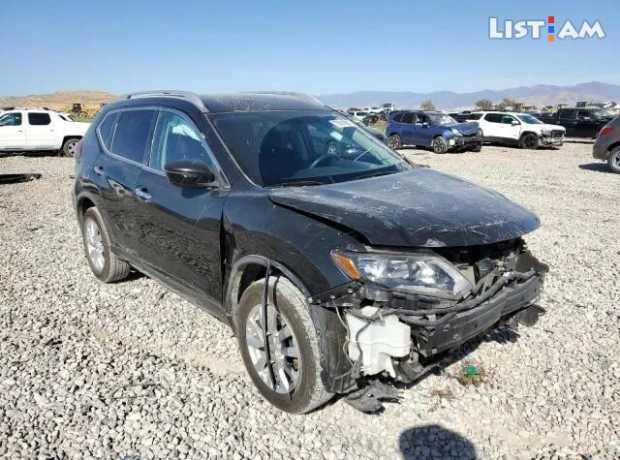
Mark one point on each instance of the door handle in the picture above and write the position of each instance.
(143, 194)
(98, 170)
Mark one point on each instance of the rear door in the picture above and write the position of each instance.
(40, 131)
(125, 135)
(407, 129)
(179, 228)
(492, 126)
(568, 119)
(12, 133)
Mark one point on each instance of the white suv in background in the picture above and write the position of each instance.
(520, 129)
(40, 130)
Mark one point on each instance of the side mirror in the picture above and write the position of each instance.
(190, 174)
(514, 123)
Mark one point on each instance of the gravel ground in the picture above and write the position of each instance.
(130, 370)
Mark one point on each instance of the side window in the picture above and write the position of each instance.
(11, 119)
(474, 116)
(106, 129)
(584, 113)
(508, 119)
(398, 117)
(177, 139)
(39, 119)
(407, 118)
(567, 113)
(132, 134)
(493, 117)
(422, 118)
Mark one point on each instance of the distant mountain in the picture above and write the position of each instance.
(539, 95)
(61, 100)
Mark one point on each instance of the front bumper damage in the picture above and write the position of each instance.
(555, 138)
(372, 336)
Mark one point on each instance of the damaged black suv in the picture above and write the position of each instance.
(340, 266)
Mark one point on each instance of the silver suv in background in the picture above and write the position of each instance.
(607, 145)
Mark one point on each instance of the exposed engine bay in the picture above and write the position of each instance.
(390, 334)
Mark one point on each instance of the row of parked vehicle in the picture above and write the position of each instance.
(442, 133)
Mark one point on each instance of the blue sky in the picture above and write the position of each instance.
(318, 47)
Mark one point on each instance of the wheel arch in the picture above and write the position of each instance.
(251, 268)
(613, 146)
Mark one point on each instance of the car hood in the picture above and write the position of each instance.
(548, 127)
(467, 128)
(416, 208)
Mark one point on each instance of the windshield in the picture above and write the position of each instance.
(304, 147)
(441, 119)
(529, 119)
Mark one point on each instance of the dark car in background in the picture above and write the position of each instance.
(579, 121)
(607, 145)
(431, 129)
(341, 267)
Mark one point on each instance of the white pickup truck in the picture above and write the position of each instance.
(40, 130)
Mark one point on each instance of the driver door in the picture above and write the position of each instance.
(423, 132)
(511, 127)
(12, 133)
(180, 228)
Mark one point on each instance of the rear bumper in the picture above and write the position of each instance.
(600, 151)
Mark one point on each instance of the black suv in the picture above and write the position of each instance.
(339, 265)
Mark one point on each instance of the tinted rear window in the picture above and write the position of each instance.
(106, 129)
(493, 117)
(39, 119)
(132, 134)
(473, 116)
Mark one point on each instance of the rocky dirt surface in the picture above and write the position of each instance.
(130, 370)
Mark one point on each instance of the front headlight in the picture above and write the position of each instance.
(455, 131)
(425, 274)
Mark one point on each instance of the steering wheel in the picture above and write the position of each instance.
(331, 150)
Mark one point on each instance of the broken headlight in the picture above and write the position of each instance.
(422, 273)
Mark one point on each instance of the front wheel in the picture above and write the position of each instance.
(614, 160)
(440, 145)
(476, 148)
(529, 141)
(280, 347)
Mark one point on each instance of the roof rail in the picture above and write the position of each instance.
(288, 93)
(189, 96)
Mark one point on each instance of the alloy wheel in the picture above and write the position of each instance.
(273, 349)
(94, 244)
(71, 148)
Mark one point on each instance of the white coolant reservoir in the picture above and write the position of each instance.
(380, 341)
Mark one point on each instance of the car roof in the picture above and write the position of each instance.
(234, 102)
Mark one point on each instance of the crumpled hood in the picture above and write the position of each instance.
(467, 128)
(548, 127)
(417, 208)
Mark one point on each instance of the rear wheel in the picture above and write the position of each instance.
(69, 148)
(476, 148)
(614, 160)
(529, 141)
(103, 263)
(394, 142)
(280, 347)
(440, 145)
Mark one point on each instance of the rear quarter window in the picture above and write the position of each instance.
(39, 119)
(106, 129)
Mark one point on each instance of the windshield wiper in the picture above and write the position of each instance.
(298, 183)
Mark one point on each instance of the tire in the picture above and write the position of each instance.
(477, 148)
(68, 148)
(439, 145)
(529, 141)
(290, 308)
(108, 268)
(614, 160)
(394, 142)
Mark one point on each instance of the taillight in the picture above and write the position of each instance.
(606, 130)
(78, 150)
